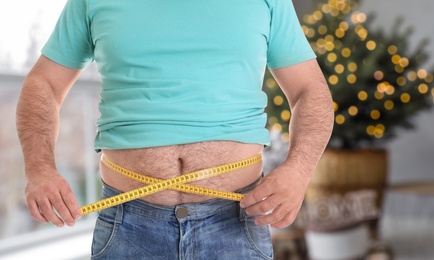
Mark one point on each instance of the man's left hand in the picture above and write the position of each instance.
(278, 197)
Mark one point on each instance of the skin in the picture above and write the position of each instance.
(310, 127)
(281, 191)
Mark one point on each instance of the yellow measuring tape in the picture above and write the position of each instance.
(177, 183)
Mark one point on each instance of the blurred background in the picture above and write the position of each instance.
(373, 192)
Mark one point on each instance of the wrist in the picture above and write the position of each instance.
(39, 169)
(300, 163)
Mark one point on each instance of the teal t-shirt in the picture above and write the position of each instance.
(176, 72)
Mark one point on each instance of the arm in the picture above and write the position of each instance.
(37, 117)
(310, 128)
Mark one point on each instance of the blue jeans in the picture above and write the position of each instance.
(214, 229)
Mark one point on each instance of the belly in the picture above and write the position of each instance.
(172, 161)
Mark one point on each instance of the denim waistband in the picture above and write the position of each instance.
(196, 210)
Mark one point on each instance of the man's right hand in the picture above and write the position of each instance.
(49, 192)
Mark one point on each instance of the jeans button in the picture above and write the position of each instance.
(181, 212)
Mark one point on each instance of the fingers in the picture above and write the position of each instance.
(273, 203)
(286, 221)
(271, 211)
(264, 206)
(280, 217)
(47, 211)
(258, 194)
(53, 203)
(35, 213)
(71, 204)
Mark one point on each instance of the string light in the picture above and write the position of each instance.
(377, 131)
(390, 90)
(270, 83)
(395, 59)
(285, 115)
(422, 73)
(399, 68)
(278, 100)
(351, 78)
(405, 98)
(388, 104)
(277, 127)
(344, 26)
(352, 66)
(326, 8)
(358, 17)
(375, 114)
(378, 95)
(317, 15)
(346, 52)
(370, 130)
(404, 62)
(309, 19)
(332, 57)
(329, 46)
(335, 106)
(401, 81)
(320, 42)
(392, 49)
(322, 29)
(412, 76)
(333, 79)
(362, 95)
(339, 33)
(378, 75)
(361, 32)
(423, 88)
(321, 51)
(371, 45)
(383, 86)
(272, 120)
(353, 110)
(340, 119)
(340, 5)
(339, 68)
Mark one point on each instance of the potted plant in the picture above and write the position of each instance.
(376, 85)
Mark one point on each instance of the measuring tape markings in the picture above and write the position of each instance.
(179, 187)
(173, 183)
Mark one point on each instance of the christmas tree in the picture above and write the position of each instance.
(376, 85)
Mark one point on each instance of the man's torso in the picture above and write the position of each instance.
(171, 161)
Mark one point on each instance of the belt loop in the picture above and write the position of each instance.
(119, 213)
(243, 214)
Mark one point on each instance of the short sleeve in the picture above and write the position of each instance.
(287, 44)
(70, 43)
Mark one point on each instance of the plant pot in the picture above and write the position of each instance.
(344, 172)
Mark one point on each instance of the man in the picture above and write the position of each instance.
(181, 92)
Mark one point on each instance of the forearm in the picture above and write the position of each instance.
(310, 128)
(37, 120)
(48, 195)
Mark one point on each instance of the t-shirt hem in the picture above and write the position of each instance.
(62, 60)
(291, 61)
(98, 146)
